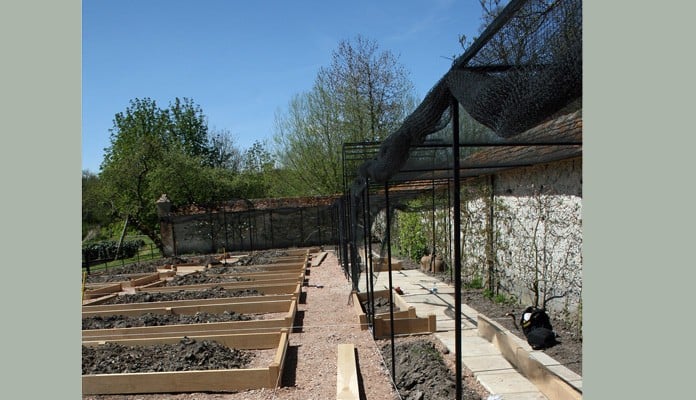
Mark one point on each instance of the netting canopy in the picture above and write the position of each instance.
(511, 86)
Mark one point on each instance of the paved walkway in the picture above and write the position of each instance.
(490, 368)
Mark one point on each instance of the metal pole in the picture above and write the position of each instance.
(432, 254)
(251, 232)
(270, 222)
(224, 221)
(391, 296)
(457, 254)
(370, 283)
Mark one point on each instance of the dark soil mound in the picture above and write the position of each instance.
(187, 355)
(199, 277)
(102, 278)
(381, 305)
(141, 268)
(211, 293)
(150, 319)
(262, 257)
(421, 372)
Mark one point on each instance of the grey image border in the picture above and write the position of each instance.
(41, 99)
(637, 219)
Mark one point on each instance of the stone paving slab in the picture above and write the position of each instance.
(490, 368)
(507, 382)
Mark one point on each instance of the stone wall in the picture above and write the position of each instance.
(215, 231)
(521, 234)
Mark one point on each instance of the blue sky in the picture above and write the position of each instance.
(242, 61)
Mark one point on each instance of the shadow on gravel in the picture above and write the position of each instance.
(298, 322)
(290, 367)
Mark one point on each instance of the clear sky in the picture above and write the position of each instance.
(242, 61)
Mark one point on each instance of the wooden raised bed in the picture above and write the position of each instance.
(380, 264)
(406, 321)
(290, 286)
(287, 306)
(139, 280)
(555, 381)
(224, 380)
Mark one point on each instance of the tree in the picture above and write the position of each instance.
(223, 151)
(95, 212)
(155, 151)
(363, 96)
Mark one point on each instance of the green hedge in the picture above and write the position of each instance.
(106, 250)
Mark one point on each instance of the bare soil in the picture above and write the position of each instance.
(424, 367)
(151, 297)
(151, 319)
(202, 277)
(187, 355)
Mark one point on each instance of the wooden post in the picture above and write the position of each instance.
(346, 373)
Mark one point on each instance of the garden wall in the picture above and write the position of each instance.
(262, 226)
(521, 234)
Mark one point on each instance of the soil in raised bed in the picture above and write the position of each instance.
(381, 305)
(151, 319)
(261, 257)
(187, 355)
(210, 293)
(422, 373)
(200, 277)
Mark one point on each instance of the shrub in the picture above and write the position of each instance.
(106, 250)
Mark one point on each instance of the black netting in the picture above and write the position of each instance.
(525, 69)
(530, 69)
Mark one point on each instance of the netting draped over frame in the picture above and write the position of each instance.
(525, 72)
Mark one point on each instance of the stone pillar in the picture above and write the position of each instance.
(164, 207)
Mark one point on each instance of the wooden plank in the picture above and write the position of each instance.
(144, 280)
(253, 326)
(254, 341)
(275, 370)
(402, 326)
(215, 308)
(226, 285)
(177, 303)
(346, 373)
(357, 306)
(115, 288)
(288, 287)
(217, 328)
(176, 382)
(318, 259)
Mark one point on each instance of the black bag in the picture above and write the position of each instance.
(536, 326)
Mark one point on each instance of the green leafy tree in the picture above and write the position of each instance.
(95, 212)
(155, 151)
(362, 96)
(223, 151)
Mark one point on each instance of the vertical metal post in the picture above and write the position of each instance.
(270, 222)
(224, 221)
(370, 284)
(366, 241)
(354, 263)
(457, 250)
(318, 221)
(301, 228)
(432, 254)
(391, 296)
(251, 232)
(449, 230)
(491, 239)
